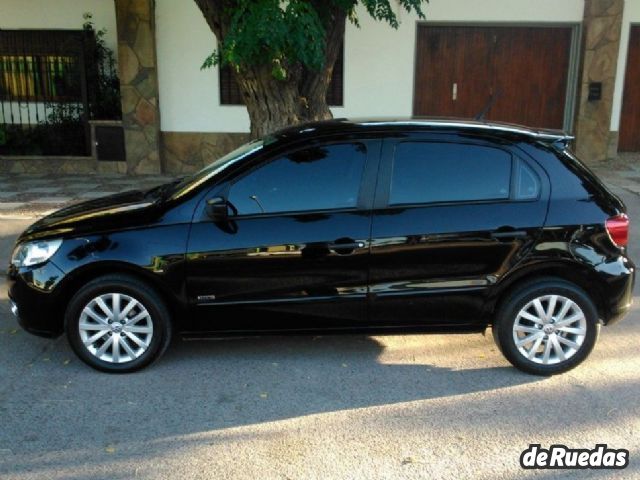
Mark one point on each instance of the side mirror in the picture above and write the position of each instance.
(217, 209)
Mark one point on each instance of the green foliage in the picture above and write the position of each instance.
(287, 33)
(103, 78)
(382, 10)
(267, 30)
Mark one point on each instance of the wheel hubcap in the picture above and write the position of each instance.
(115, 328)
(549, 329)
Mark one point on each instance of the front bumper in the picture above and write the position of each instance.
(34, 300)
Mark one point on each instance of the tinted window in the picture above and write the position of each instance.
(426, 172)
(318, 178)
(527, 183)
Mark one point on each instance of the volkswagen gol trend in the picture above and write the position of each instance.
(341, 226)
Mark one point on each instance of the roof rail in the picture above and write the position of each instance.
(547, 136)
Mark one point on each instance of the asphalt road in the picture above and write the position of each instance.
(310, 407)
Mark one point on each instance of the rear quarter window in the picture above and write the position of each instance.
(526, 183)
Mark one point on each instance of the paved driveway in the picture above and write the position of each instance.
(310, 407)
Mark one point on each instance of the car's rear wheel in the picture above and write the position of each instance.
(547, 328)
(117, 324)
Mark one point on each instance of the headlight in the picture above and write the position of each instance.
(32, 253)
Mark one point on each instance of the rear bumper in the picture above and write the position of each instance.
(615, 317)
(618, 293)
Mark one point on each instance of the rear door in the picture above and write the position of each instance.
(452, 215)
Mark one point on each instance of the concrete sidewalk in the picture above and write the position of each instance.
(623, 172)
(34, 195)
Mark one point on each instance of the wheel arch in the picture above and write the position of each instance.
(571, 272)
(76, 279)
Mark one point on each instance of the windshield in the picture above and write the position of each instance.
(189, 183)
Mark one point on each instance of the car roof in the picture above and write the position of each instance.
(344, 125)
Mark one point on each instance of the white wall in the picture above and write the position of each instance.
(59, 14)
(189, 97)
(379, 61)
(631, 15)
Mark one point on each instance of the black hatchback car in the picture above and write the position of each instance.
(341, 226)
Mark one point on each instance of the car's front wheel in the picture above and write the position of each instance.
(117, 324)
(547, 327)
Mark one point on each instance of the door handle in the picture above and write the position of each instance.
(345, 246)
(509, 234)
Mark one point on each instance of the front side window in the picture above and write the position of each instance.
(320, 178)
(426, 172)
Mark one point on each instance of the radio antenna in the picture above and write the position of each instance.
(492, 99)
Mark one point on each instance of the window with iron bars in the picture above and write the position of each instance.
(38, 77)
(40, 66)
(52, 82)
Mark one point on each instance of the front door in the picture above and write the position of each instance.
(294, 252)
(450, 219)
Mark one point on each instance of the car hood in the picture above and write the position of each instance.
(114, 211)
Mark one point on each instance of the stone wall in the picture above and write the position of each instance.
(184, 152)
(137, 66)
(59, 165)
(602, 27)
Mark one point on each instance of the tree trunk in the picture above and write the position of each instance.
(273, 104)
(315, 85)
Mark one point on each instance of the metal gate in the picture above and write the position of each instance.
(52, 82)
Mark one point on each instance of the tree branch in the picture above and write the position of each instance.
(213, 11)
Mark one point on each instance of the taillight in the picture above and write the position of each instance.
(618, 228)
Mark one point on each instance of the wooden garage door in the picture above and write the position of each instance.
(459, 68)
(630, 119)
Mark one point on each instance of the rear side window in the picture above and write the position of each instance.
(426, 172)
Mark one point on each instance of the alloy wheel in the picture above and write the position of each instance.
(549, 329)
(115, 328)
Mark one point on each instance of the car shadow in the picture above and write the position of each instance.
(302, 375)
(204, 386)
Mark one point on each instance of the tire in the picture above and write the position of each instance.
(140, 337)
(551, 339)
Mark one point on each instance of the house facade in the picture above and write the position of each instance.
(570, 64)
